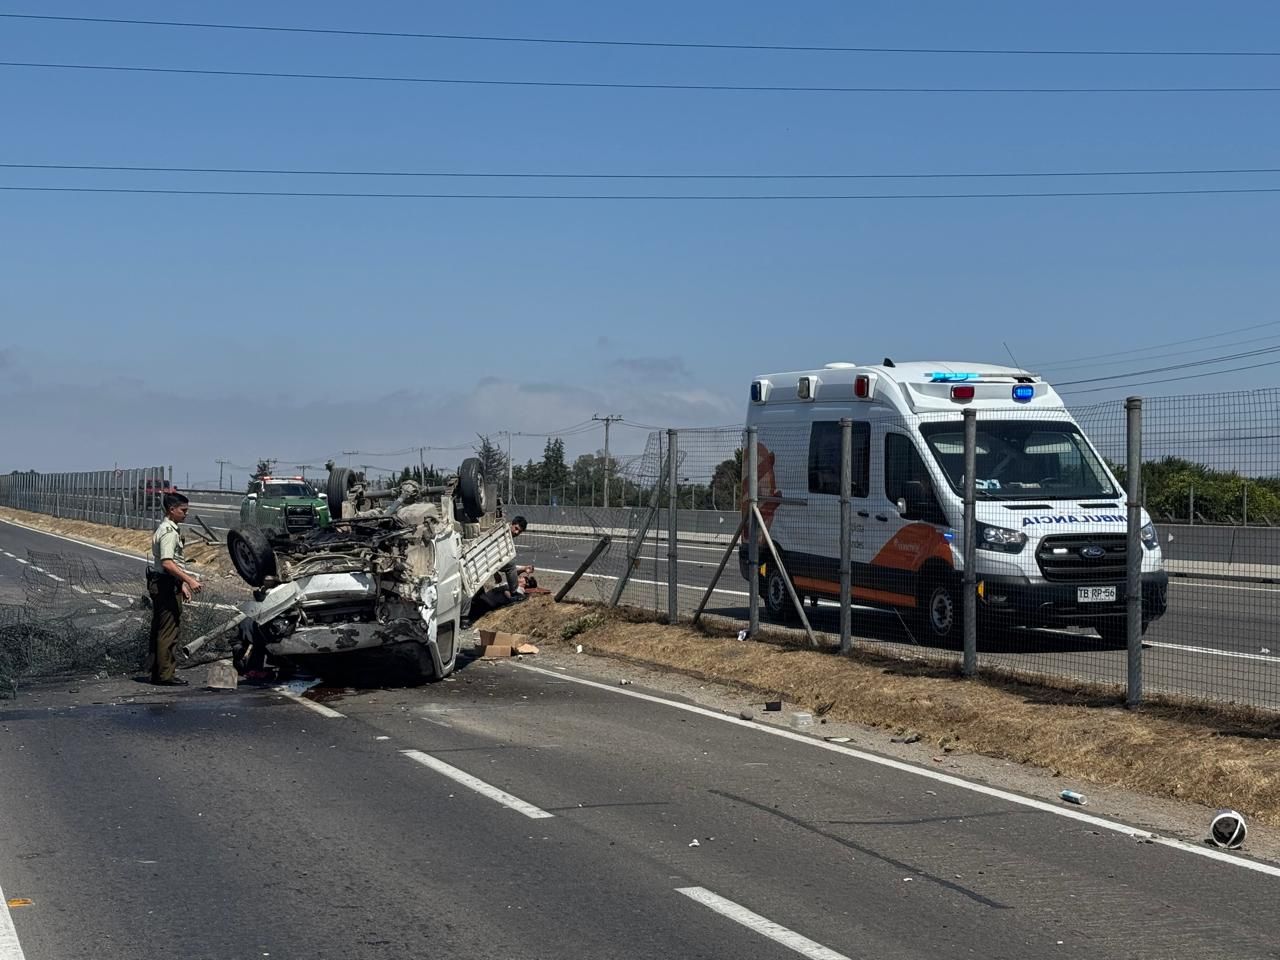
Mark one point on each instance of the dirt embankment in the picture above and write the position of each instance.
(1210, 757)
(211, 558)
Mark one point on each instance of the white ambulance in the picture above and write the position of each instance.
(1051, 522)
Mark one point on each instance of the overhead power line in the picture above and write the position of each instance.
(1171, 343)
(307, 172)
(604, 85)
(1189, 376)
(1157, 355)
(661, 44)
(1176, 366)
(665, 197)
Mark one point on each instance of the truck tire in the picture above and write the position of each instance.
(340, 481)
(251, 555)
(471, 489)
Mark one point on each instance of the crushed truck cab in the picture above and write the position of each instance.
(389, 578)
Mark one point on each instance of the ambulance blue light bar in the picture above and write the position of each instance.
(953, 377)
(1024, 392)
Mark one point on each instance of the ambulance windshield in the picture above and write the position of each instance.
(1022, 460)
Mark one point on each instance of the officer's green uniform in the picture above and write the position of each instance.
(166, 599)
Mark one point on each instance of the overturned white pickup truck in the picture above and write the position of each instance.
(389, 578)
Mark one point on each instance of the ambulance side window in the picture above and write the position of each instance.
(824, 458)
(902, 464)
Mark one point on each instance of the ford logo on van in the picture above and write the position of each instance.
(1093, 552)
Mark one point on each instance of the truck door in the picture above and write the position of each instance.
(908, 530)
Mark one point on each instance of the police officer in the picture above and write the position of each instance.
(169, 584)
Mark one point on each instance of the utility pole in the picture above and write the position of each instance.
(349, 454)
(510, 467)
(221, 464)
(303, 468)
(611, 419)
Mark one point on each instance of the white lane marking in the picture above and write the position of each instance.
(479, 786)
(1219, 586)
(25, 563)
(995, 792)
(319, 708)
(83, 543)
(648, 583)
(761, 925)
(1210, 651)
(10, 948)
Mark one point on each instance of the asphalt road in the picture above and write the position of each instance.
(202, 825)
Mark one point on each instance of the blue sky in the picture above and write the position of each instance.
(184, 328)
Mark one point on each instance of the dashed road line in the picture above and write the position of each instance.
(1116, 826)
(319, 708)
(761, 925)
(479, 786)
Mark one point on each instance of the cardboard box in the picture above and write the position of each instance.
(490, 638)
(495, 651)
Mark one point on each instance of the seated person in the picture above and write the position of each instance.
(487, 600)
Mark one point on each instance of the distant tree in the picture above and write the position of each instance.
(493, 462)
(726, 481)
(554, 472)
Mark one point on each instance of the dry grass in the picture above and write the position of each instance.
(1197, 754)
(210, 557)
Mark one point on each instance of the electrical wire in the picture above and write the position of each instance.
(1190, 376)
(1159, 355)
(640, 176)
(1212, 191)
(606, 85)
(1174, 366)
(1171, 343)
(661, 44)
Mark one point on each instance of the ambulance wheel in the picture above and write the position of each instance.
(1115, 631)
(777, 601)
(939, 610)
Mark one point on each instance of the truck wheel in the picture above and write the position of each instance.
(340, 481)
(777, 601)
(939, 610)
(471, 489)
(251, 555)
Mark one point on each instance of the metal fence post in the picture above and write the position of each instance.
(753, 535)
(846, 533)
(1133, 550)
(969, 664)
(673, 474)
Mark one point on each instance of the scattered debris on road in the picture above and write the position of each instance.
(1072, 796)
(1227, 829)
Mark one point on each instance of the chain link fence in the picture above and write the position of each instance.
(1049, 528)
